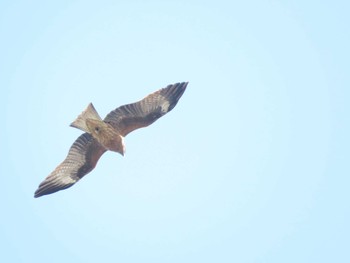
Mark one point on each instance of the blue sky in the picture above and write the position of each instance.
(251, 166)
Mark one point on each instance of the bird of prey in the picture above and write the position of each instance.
(108, 134)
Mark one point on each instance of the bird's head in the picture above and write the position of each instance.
(123, 149)
(116, 144)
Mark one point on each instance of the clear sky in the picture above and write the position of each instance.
(251, 166)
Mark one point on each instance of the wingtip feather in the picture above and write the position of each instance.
(50, 187)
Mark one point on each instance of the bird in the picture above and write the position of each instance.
(107, 135)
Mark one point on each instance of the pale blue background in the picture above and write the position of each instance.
(251, 166)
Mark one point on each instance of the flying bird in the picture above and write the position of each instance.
(107, 134)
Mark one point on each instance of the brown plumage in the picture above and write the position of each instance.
(108, 134)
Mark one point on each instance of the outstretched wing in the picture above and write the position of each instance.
(81, 159)
(140, 114)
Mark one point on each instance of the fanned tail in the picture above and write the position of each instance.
(89, 113)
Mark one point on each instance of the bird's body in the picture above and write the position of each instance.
(108, 134)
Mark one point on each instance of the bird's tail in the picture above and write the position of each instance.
(88, 113)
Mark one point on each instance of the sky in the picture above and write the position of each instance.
(252, 165)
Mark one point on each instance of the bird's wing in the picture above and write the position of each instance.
(146, 111)
(81, 159)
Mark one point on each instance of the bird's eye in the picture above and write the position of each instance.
(97, 129)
